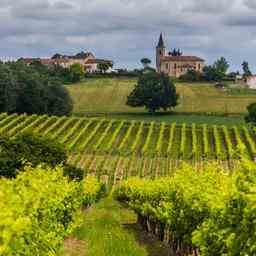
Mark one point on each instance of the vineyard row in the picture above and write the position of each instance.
(140, 139)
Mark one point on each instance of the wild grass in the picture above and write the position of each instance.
(109, 96)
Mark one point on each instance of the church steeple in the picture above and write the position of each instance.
(161, 42)
(160, 52)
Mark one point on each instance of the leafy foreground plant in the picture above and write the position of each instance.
(40, 208)
(206, 212)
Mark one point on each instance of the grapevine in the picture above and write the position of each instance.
(147, 142)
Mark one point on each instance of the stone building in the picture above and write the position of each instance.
(86, 59)
(175, 65)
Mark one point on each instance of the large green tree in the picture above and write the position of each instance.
(246, 69)
(32, 90)
(251, 116)
(145, 62)
(103, 67)
(153, 91)
(77, 72)
(217, 72)
(8, 93)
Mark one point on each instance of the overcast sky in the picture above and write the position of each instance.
(127, 30)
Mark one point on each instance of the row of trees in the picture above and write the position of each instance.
(33, 89)
(217, 72)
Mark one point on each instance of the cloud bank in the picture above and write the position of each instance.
(127, 30)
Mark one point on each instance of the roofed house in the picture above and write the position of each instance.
(175, 65)
(251, 82)
(86, 59)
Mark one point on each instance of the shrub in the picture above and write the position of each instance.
(209, 212)
(40, 208)
(35, 149)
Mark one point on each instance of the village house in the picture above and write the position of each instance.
(251, 82)
(86, 59)
(175, 65)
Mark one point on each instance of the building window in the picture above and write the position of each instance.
(199, 66)
(175, 66)
(166, 66)
(160, 52)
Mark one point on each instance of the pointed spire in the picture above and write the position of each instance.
(161, 42)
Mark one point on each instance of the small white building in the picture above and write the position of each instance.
(251, 82)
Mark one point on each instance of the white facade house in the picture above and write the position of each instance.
(251, 82)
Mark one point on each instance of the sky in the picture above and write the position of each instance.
(128, 30)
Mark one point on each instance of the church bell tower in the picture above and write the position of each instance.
(160, 53)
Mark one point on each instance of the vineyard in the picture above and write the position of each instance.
(127, 148)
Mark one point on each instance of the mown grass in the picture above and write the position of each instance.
(109, 96)
(110, 230)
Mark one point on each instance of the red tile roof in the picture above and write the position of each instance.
(181, 58)
(97, 61)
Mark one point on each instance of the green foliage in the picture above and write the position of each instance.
(192, 76)
(251, 116)
(104, 66)
(176, 52)
(31, 89)
(15, 153)
(145, 62)
(246, 69)
(208, 209)
(8, 95)
(77, 72)
(39, 209)
(216, 72)
(154, 91)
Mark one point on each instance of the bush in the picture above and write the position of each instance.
(33, 90)
(209, 210)
(251, 116)
(15, 153)
(192, 76)
(39, 209)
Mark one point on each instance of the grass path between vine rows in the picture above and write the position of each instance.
(109, 229)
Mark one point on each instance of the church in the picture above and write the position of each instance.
(175, 64)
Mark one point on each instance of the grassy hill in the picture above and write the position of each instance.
(108, 97)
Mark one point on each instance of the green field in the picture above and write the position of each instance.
(107, 97)
(116, 149)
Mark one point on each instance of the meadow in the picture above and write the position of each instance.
(107, 97)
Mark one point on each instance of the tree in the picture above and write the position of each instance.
(251, 116)
(32, 90)
(217, 72)
(145, 62)
(221, 66)
(176, 52)
(8, 94)
(246, 69)
(103, 67)
(77, 72)
(153, 91)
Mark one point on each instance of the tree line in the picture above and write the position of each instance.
(33, 89)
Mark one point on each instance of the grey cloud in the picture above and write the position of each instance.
(251, 4)
(126, 30)
(244, 21)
